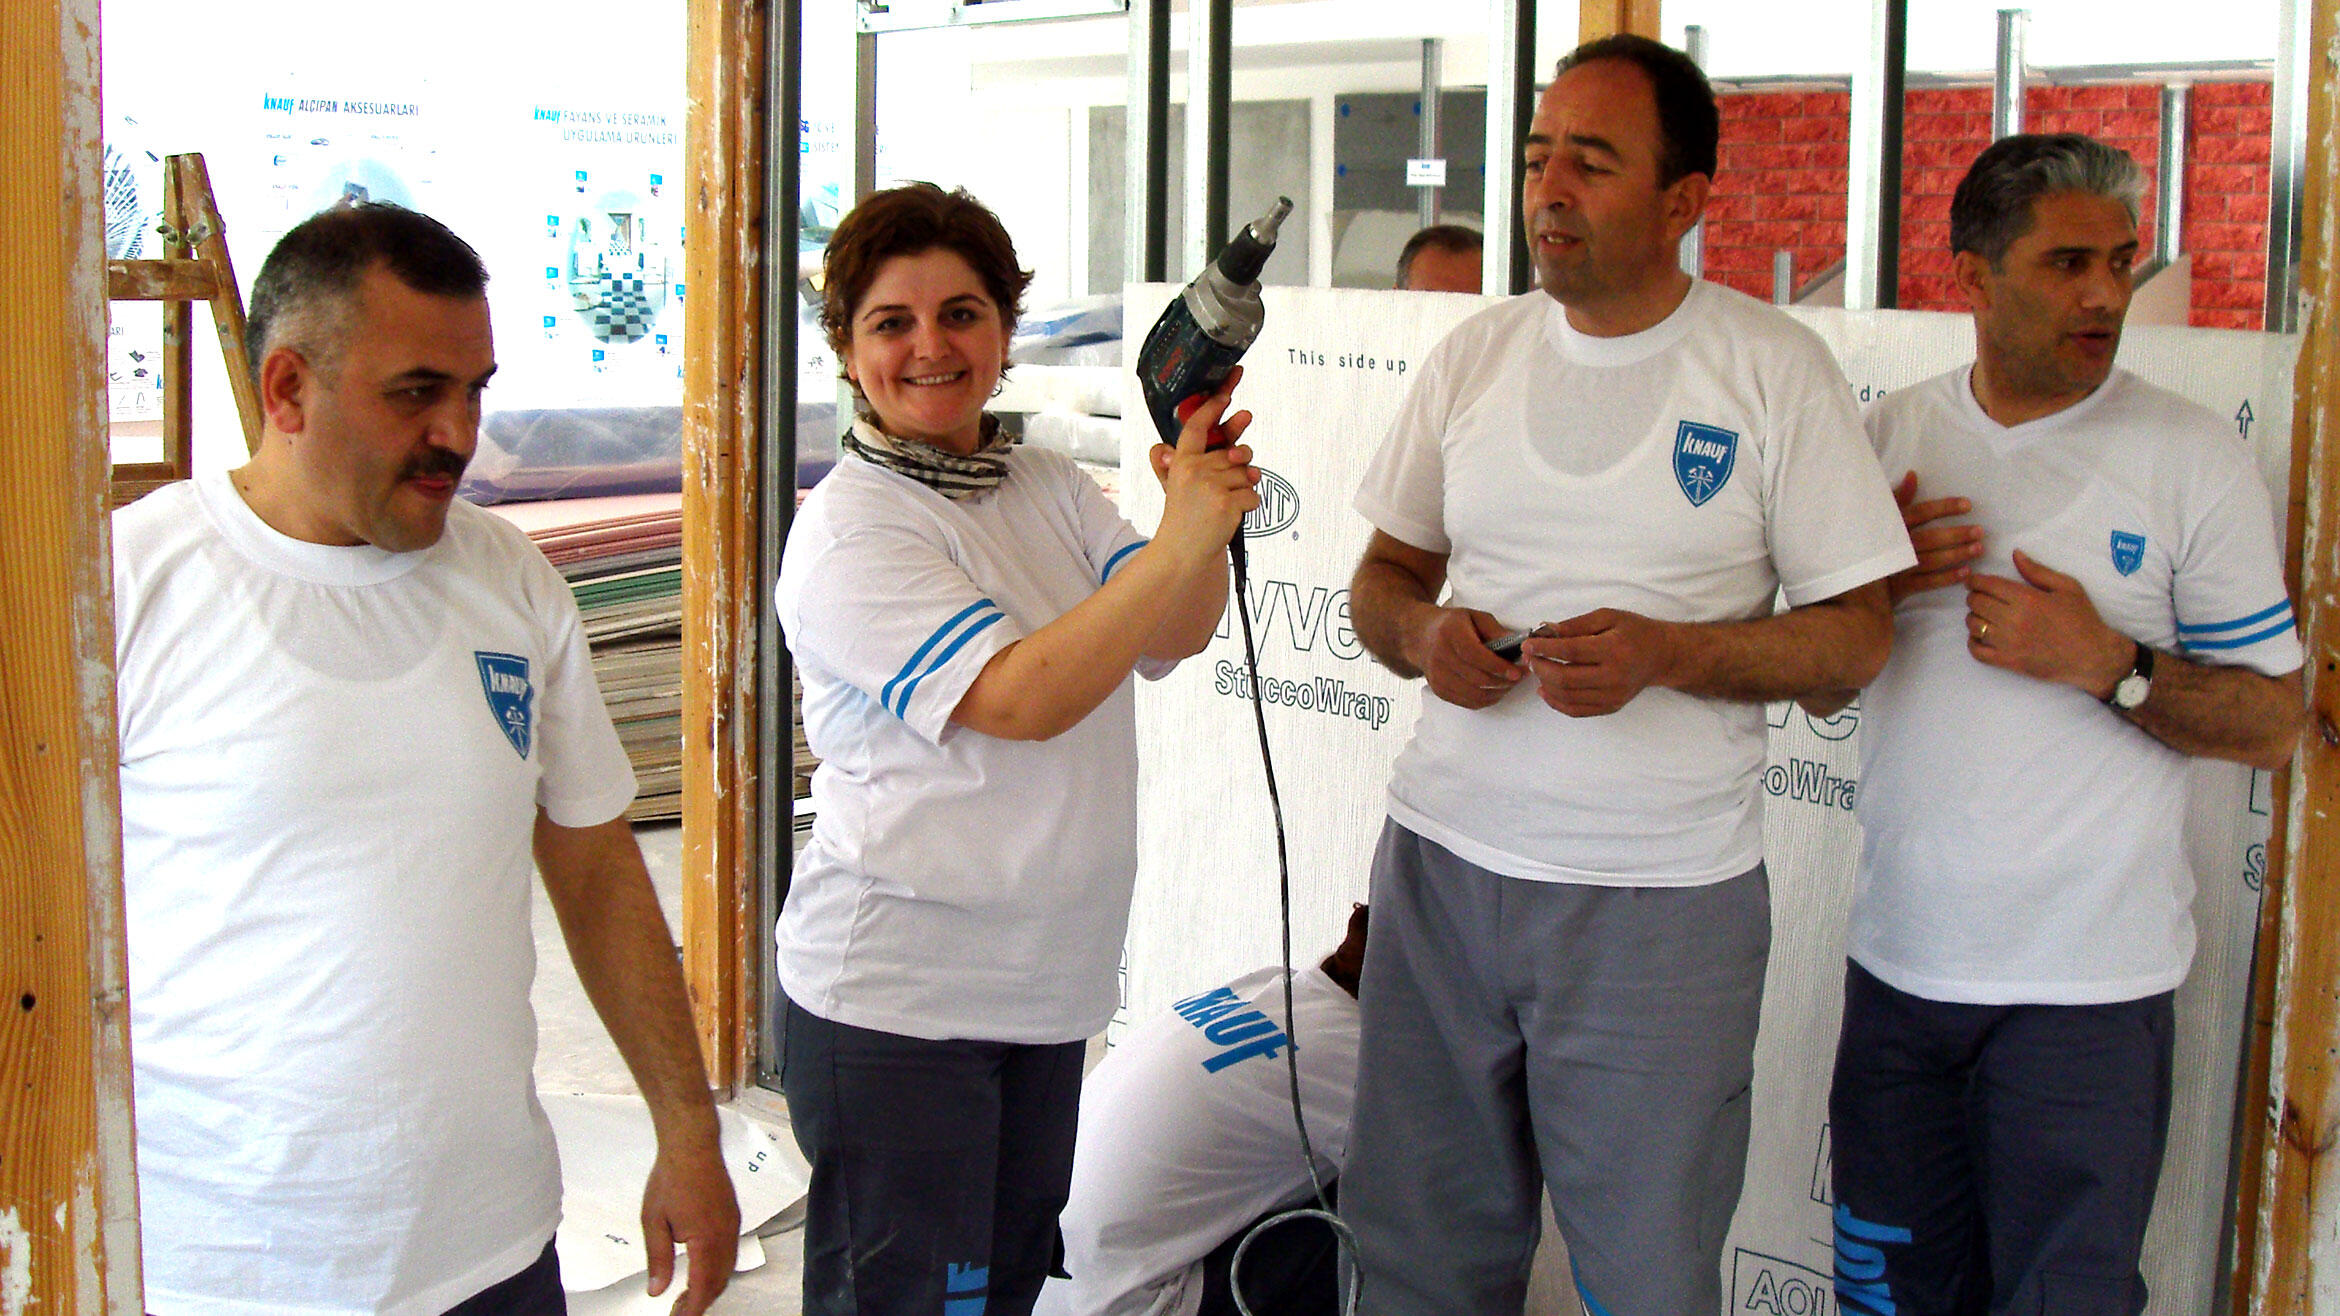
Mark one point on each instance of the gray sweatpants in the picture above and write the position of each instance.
(1519, 1035)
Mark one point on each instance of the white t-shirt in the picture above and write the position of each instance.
(1186, 1136)
(332, 762)
(1688, 473)
(956, 885)
(2022, 842)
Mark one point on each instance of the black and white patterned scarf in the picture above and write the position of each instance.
(952, 476)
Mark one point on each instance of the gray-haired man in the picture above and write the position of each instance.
(2097, 598)
(353, 708)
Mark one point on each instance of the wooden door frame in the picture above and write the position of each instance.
(725, 384)
(2291, 1114)
(68, 1192)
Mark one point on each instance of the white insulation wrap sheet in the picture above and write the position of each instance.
(1324, 379)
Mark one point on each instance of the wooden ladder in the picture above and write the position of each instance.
(195, 269)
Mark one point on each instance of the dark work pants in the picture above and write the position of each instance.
(1292, 1269)
(938, 1168)
(1995, 1159)
(535, 1291)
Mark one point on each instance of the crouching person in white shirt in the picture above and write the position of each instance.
(1187, 1141)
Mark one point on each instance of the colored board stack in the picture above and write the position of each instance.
(623, 558)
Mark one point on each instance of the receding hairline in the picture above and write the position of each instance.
(1660, 146)
(311, 270)
(316, 324)
(1454, 239)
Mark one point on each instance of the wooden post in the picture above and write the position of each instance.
(2253, 1117)
(723, 326)
(1607, 18)
(68, 1196)
(2285, 1239)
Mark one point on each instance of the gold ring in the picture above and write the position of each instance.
(1982, 633)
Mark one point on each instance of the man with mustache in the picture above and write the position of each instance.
(351, 706)
(2098, 598)
(1571, 915)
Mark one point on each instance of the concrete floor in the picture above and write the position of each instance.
(574, 1054)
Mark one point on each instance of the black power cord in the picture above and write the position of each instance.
(1345, 1241)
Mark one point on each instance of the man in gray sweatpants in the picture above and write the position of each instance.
(1571, 916)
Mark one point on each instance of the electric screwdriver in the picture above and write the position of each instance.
(1192, 349)
(1186, 357)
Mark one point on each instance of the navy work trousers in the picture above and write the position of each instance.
(938, 1167)
(1995, 1159)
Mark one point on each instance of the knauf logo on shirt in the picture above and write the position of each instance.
(1703, 457)
(2128, 552)
(1227, 1023)
(503, 677)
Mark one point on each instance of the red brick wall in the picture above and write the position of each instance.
(1945, 129)
(2227, 153)
(1942, 132)
(1784, 159)
(1782, 184)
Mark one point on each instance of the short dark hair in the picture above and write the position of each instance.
(1689, 125)
(907, 220)
(307, 279)
(1992, 206)
(1456, 238)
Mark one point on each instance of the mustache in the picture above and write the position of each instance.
(435, 461)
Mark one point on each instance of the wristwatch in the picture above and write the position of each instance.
(2131, 690)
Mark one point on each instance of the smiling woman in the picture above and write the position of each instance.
(923, 294)
(927, 350)
(965, 615)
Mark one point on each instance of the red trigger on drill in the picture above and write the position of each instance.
(1217, 438)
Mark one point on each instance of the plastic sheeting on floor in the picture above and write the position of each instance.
(607, 1146)
(1325, 379)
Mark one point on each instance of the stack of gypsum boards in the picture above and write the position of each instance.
(622, 557)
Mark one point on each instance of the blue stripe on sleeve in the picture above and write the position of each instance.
(2239, 641)
(1115, 560)
(2281, 609)
(902, 710)
(886, 695)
